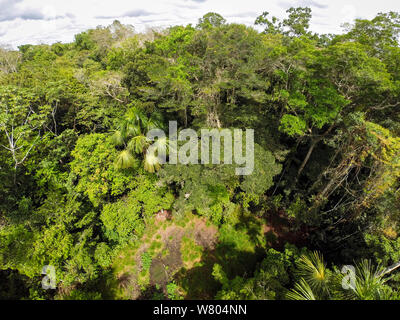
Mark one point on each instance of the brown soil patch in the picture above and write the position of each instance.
(163, 215)
(164, 266)
(205, 236)
(172, 238)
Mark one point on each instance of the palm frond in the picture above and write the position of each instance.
(138, 144)
(117, 138)
(312, 268)
(151, 162)
(132, 130)
(370, 283)
(152, 124)
(157, 119)
(161, 143)
(301, 291)
(137, 117)
(125, 160)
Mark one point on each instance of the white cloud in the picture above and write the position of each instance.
(47, 21)
(14, 9)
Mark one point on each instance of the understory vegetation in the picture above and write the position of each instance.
(79, 190)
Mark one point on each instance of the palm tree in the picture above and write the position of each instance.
(151, 162)
(125, 160)
(131, 135)
(314, 278)
(319, 283)
(369, 282)
(313, 269)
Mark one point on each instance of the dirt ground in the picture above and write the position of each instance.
(164, 266)
(172, 238)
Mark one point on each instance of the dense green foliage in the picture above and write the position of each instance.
(80, 191)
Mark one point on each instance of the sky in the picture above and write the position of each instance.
(49, 21)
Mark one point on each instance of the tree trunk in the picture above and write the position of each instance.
(391, 268)
(310, 150)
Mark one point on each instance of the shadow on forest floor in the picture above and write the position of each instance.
(279, 230)
(199, 282)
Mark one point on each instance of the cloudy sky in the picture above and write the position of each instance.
(48, 21)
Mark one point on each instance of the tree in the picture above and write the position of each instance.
(298, 21)
(123, 220)
(131, 135)
(295, 25)
(273, 26)
(210, 20)
(319, 283)
(9, 60)
(92, 170)
(377, 34)
(20, 123)
(268, 282)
